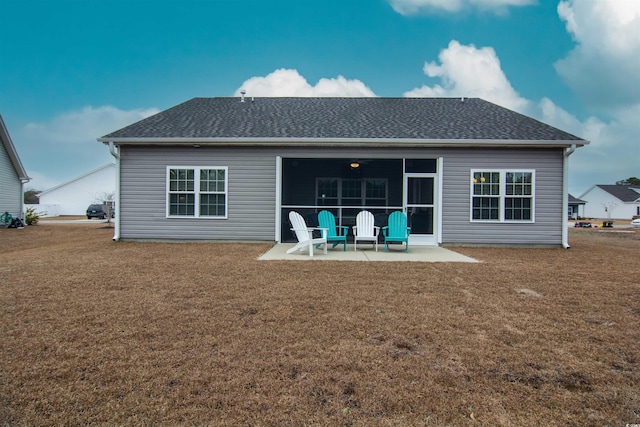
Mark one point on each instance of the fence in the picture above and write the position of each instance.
(46, 211)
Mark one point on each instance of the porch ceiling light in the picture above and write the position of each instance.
(354, 165)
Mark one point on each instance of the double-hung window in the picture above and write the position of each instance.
(351, 192)
(197, 192)
(502, 195)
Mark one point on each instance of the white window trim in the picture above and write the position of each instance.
(196, 192)
(503, 195)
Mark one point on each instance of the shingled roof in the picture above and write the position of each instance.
(575, 201)
(625, 193)
(406, 119)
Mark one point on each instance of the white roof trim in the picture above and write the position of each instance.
(328, 142)
(77, 178)
(11, 151)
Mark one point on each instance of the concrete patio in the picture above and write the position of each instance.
(367, 253)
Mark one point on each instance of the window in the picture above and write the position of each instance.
(519, 194)
(199, 192)
(421, 165)
(502, 195)
(351, 192)
(327, 192)
(375, 192)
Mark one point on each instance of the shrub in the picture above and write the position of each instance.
(31, 217)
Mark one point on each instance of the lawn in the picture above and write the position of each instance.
(94, 332)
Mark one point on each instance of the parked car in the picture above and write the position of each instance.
(96, 211)
(635, 223)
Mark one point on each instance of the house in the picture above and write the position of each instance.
(576, 207)
(612, 201)
(74, 196)
(465, 171)
(12, 176)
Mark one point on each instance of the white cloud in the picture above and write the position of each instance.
(613, 151)
(40, 181)
(64, 147)
(287, 82)
(84, 125)
(556, 116)
(411, 7)
(604, 67)
(470, 72)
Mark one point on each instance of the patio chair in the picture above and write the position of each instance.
(365, 229)
(304, 234)
(396, 230)
(335, 233)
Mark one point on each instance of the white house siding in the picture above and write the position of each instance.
(10, 186)
(75, 196)
(252, 180)
(601, 204)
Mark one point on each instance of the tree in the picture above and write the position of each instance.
(609, 207)
(31, 197)
(629, 181)
(107, 200)
(633, 181)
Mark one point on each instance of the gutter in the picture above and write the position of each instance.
(342, 142)
(114, 152)
(565, 196)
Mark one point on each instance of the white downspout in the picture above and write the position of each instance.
(114, 152)
(565, 196)
(440, 184)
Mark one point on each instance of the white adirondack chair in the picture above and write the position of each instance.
(304, 234)
(365, 229)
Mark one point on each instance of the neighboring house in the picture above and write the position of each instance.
(465, 171)
(576, 207)
(73, 197)
(12, 176)
(612, 201)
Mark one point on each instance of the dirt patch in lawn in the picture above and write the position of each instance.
(130, 333)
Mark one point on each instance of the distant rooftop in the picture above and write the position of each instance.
(445, 119)
(625, 193)
(575, 201)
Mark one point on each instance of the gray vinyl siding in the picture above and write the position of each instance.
(252, 192)
(456, 224)
(10, 185)
(250, 197)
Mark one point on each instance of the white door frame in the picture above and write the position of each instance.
(425, 239)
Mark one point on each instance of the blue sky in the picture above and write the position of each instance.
(74, 70)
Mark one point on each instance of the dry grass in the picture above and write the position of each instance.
(95, 332)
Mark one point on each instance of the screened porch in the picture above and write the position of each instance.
(346, 186)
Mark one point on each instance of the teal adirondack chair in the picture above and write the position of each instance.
(335, 233)
(397, 230)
